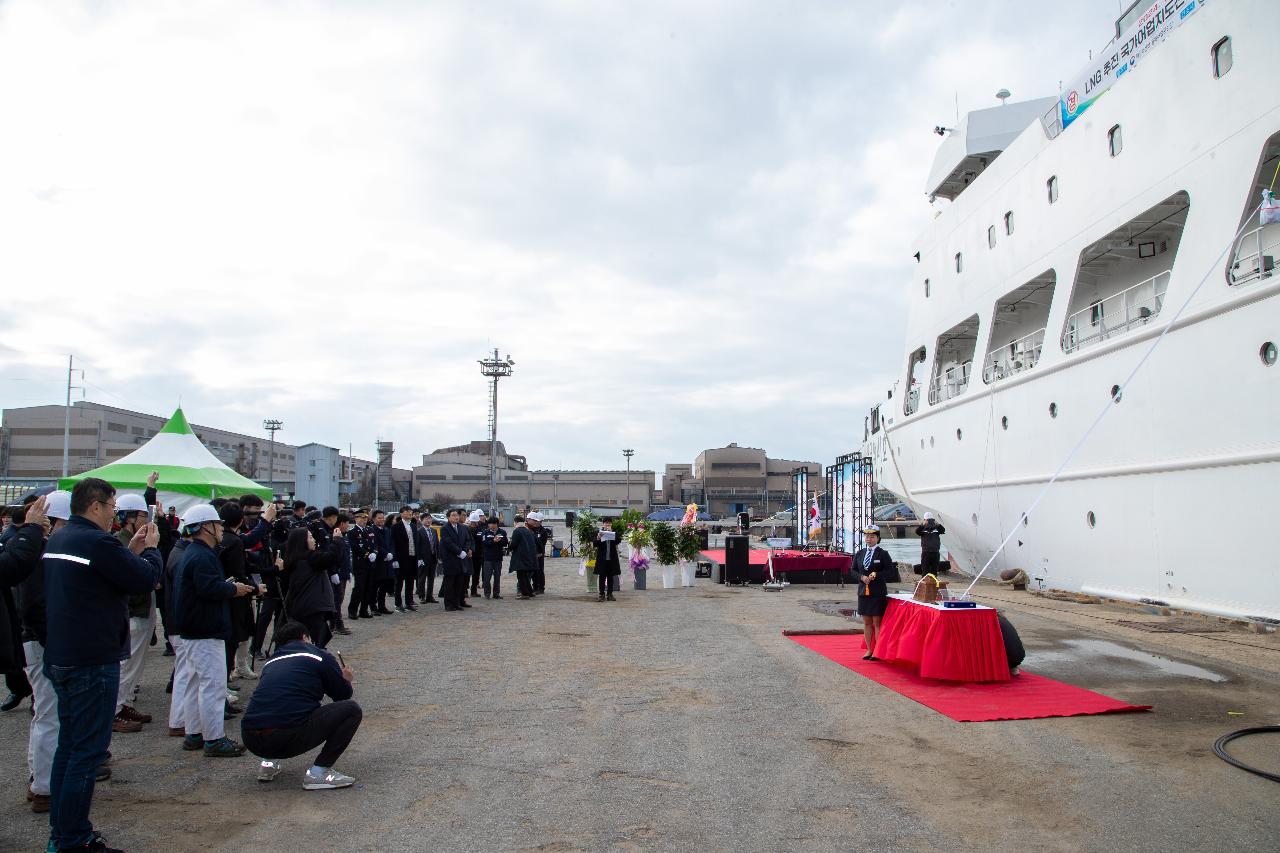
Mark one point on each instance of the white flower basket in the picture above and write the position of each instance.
(668, 577)
(688, 569)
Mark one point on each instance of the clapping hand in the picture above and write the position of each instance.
(153, 479)
(38, 513)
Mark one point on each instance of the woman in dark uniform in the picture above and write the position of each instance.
(608, 567)
(875, 570)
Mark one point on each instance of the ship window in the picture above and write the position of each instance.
(1008, 222)
(1222, 60)
(991, 237)
(926, 288)
(1053, 410)
(959, 262)
(1268, 354)
(1115, 141)
(959, 435)
(1004, 422)
(1091, 518)
(1115, 393)
(1052, 184)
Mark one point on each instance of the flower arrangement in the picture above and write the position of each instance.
(663, 537)
(639, 538)
(688, 543)
(584, 530)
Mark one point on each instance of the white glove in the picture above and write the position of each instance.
(462, 554)
(333, 579)
(387, 558)
(395, 564)
(421, 564)
(373, 558)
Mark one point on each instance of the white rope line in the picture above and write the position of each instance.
(1112, 402)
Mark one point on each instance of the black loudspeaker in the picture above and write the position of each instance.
(744, 520)
(569, 517)
(704, 538)
(737, 562)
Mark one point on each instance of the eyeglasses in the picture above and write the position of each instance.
(111, 503)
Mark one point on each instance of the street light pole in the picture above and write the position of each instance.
(66, 419)
(555, 490)
(495, 368)
(628, 452)
(271, 425)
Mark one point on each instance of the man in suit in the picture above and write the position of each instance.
(384, 574)
(428, 550)
(363, 558)
(404, 545)
(455, 561)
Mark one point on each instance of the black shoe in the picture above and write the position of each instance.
(13, 701)
(365, 614)
(495, 595)
(431, 600)
(412, 607)
(384, 611)
(867, 656)
(464, 604)
(168, 649)
(351, 615)
(99, 845)
(602, 598)
(450, 609)
(102, 774)
(610, 597)
(342, 629)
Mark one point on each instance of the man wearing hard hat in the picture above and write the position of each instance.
(131, 514)
(200, 609)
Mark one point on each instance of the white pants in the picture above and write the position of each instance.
(207, 692)
(43, 740)
(140, 633)
(181, 683)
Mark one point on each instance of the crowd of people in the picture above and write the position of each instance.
(89, 579)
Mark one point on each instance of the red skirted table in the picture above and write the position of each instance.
(785, 562)
(953, 644)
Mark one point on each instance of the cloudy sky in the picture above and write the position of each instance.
(688, 222)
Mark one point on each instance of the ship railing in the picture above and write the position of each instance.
(913, 401)
(1116, 314)
(1263, 244)
(1014, 358)
(950, 384)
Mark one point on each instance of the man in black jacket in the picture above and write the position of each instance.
(930, 534)
(200, 605)
(542, 534)
(42, 738)
(493, 543)
(407, 561)
(364, 560)
(15, 679)
(19, 559)
(455, 561)
(524, 558)
(429, 549)
(88, 577)
(285, 717)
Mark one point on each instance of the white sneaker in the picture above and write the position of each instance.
(329, 779)
(245, 673)
(269, 770)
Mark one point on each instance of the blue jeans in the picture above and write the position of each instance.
(86, 709)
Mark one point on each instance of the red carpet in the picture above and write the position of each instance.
(1026, 697)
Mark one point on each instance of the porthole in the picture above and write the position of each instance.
(1221, 53)
(1091, 519)
(1115, 142)
(1268, 354)
(1115, 393)
(1004, 422)
(991, 237)
(1052, 186)
(1053, 410)
(959, 435)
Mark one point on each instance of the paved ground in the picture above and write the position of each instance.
(684, 720)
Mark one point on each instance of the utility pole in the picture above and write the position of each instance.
(628, 452)
(555, 490)
(494, 368)
(66, 421)
(271, 425)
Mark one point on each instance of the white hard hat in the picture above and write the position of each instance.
(476, 515)
(534, 516)
(928, 516)
(58, 504)
(199, 514)
(131, 503)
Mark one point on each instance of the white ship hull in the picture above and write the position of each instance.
(1192, 450)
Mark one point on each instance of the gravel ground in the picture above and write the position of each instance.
(684, 720)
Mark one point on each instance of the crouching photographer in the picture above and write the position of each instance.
(286, 717)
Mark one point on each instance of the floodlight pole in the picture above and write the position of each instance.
(494, 368)
(66, 420)
(628, 452)
(271, 425)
